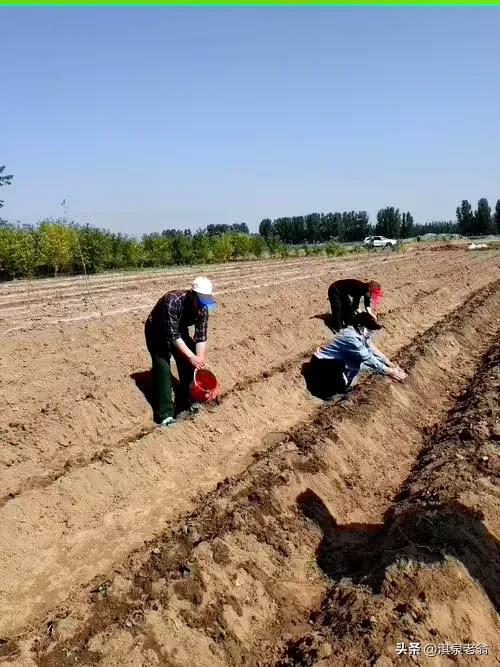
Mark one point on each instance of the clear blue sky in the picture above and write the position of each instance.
(147, 118)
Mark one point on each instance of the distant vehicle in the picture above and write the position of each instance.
(379, 242)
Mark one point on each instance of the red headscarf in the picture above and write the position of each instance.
(375, 295)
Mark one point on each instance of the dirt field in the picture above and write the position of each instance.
(272, 529)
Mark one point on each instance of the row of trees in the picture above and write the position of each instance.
(391, 222)
(478, 222)
(317, 227)
(210, 230)
(343, 227)
(55, 246)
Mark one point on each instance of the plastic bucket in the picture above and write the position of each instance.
(205, 386)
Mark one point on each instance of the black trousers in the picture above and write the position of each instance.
(324, 377)
(342, 309)
(160, 353)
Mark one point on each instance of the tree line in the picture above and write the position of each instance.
(391, 222)
(318, 227)
(59, 246)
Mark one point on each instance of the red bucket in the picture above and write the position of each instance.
(205, 386)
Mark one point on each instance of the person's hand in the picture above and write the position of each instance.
(402, 375)
(397, 374)
(197, 362)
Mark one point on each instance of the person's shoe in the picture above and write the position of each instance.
(168, 421)
(194, 408)
(182, 416)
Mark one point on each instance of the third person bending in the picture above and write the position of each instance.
(345, 296)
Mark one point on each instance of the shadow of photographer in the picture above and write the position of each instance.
(362, 552)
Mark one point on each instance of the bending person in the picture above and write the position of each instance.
(335, 365)
(167, 334)
(344, 297)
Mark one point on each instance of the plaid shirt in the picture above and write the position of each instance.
(172, 316)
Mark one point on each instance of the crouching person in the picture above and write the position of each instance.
(335, 365)
(167, 335)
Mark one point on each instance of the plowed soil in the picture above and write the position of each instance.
(214, 542)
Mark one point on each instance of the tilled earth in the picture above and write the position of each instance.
(268, 528)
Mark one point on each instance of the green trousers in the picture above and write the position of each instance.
(162, 403)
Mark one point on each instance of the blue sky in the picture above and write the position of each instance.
(149, 118)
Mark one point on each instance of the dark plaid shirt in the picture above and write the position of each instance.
(172, 315)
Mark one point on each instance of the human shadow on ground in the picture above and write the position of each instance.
(144, 382)
(362, 552)
(326, 318)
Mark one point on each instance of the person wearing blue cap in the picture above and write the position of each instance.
(167, 335)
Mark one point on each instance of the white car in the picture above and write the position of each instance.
(379, 242)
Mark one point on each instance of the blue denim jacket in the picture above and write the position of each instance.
(352, 348)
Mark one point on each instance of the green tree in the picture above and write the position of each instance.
(222, 248)
(119, 245)
(242, 245)
(158, 250)
(240, 228)
(355, 226)
(388, 222)
(497, 216)
(5, 179)
(218, 230)
(272, 243)
(465, 218)
(132, 253)
(258, 245)
(313, 227)
(282, 227)
(95, 249)
(56, 243)
(337, 225)
(7, 250)
(406, 230)
(17, 251)
(436, 227)
(483, 223)
(177, 232)
(27, 251)
(299, 228)
(266, 228)
(329, 227)
(182, 250)
(202, 249)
